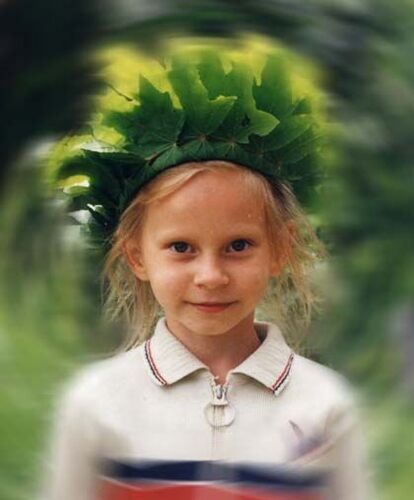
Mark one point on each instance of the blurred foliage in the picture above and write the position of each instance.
(46, 71)
(50, 318)
(369, 212)
(44, 325)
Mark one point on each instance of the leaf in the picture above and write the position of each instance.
(306, 144)
(172, 156)
(131, 187)
(102, 195)
(274, 94)
(104, 170)
(284, 134)
(151, 127)
(304, 175)
(121, 121)
(103, 178)
(202, 114)
(200, 150)
(244, 118)
(74, 191)
(75, 165)
(121, 166)
(232, 152)
(212, 74)
(99, 215)
(302, 107)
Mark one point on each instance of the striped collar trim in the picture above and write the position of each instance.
(167, 360)
(270, 364)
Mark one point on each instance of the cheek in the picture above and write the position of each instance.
(256, 270)
(167, 282)
(253, 278)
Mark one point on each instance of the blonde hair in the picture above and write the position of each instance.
(289, 299)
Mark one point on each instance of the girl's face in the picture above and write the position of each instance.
(205, 251)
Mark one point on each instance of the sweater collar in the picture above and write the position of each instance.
(168, 360)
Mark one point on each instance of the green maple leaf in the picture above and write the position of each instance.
(244, 118)
(288, 131)
(203, 115)
(121, 165)
(274, 94)
(232, 152)
(302, 107)
(151, 127)
(301, 147)
(171, 156)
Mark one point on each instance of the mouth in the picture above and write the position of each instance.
(211, 306)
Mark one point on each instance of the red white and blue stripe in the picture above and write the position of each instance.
(207, 480)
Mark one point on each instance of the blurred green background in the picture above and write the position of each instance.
(50, 315)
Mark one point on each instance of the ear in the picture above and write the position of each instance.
(133, 255)
(282, 259)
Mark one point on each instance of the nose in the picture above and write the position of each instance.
(210, 273)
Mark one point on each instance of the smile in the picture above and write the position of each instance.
(211, 307)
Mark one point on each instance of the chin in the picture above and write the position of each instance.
(211, 332)
(211, 326)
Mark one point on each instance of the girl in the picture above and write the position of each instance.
(204, 391)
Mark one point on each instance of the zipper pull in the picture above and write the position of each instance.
(219, 412)
(219, 394)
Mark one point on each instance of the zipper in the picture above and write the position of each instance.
(219, 413)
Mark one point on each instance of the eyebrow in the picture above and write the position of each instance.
(236, 233)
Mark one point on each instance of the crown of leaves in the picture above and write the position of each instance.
(208, 113)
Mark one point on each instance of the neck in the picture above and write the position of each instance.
(222, 352)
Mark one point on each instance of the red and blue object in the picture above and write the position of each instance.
(207, 480)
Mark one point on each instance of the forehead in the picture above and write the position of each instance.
(209, 199)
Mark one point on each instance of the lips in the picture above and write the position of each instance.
(211, 306)
(212, 303)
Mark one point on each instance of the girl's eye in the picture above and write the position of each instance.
(179, 246)
(183, 247)
(239, 245)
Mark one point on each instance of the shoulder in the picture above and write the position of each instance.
(322, 403)
(101, 379)
(328, 418)
(320, 378)
(319, 385)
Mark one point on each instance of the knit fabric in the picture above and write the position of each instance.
(159, 402)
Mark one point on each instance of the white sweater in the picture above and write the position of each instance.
(158, 401)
